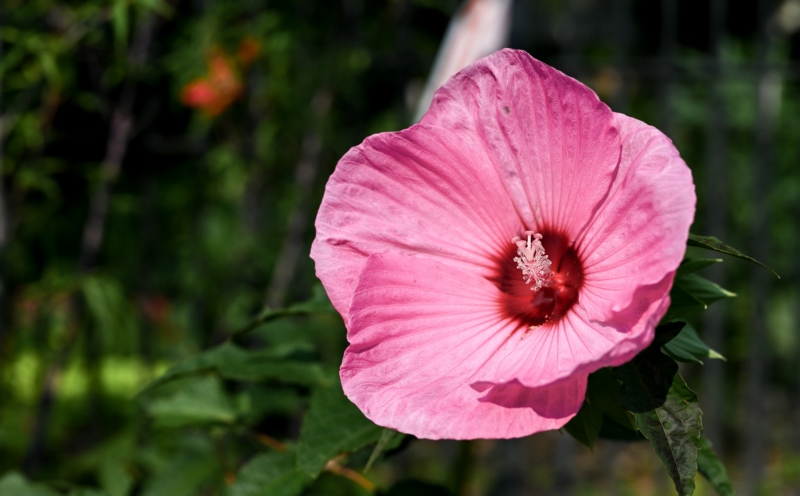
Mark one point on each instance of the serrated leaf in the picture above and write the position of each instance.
(270, 474)
(585, 425)
(712, 469)
(332, 425)
(690, 265)
(666, 412)
(702, 289)
(712, 243)
(14, 484)
(389, 439)
(688, 347)
(232, 362)
(200, 401)
(682, 304)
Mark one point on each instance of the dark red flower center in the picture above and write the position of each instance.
(532, 308)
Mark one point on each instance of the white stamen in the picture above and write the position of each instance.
(533, 261)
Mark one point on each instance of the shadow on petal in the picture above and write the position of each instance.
(554, 401)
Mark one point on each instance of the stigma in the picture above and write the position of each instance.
(533, 261)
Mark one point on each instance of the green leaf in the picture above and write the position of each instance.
(200, 400)
(702, 289)
(14, 484)
(389, 439)
(712, 469)
(690, 265)
(232, 362)
(712, 243)
(600, 410)
(332, 425)
(270, 474)
(688, 347)
(614, 431)
(666, 333)
(319, 304)
(185, 469)
(603, 391)
(682, 304)
(159, 6)
(82, 491)
(666, 412)
(114, 479)
(119, 22)
(585, 425)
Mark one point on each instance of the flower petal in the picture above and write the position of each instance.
(578, 344)
(418, 192)
(509, 143)
(639, 234)
(549, 137)
(629, 253)
(420, 332)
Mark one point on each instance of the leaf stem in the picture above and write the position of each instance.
(334, 467)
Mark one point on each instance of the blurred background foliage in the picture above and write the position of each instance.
(161, 166)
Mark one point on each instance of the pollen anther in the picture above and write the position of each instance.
(533, 261)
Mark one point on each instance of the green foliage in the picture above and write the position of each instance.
(692, 293)
(601, 407)
(682, 305)
(389, 439)
(332, 425)
(13, 484)
(712, 468)
(115, 479)
(270, 474)
(690, 265)
(233, 362)
(712, 243)
(688, 347)
(195, 401)
(666, 412)
(586, 424)
(186, 469)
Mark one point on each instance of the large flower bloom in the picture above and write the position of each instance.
(487, 259)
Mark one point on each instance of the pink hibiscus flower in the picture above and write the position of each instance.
(487, 259)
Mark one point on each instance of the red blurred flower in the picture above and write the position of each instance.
(216, 91)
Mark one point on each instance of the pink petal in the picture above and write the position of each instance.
(509, 143)
(550, 138)
(420, 332)
(578, 344)
(630, 252)
(418, 192)
(639, 235)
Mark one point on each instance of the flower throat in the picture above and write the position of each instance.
(550, 279)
